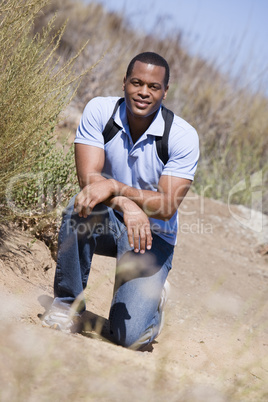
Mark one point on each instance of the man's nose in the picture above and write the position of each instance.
(144, 91)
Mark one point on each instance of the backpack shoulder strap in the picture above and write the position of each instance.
(111, 128)
(162, 142)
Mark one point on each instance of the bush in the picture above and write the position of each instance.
(34, 88)
(51, 181)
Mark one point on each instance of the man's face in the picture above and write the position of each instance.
(144, 89)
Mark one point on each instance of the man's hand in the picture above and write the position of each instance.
(91, 195)
(136, 221)
(138, 227)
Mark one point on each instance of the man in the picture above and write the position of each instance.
(127, 206)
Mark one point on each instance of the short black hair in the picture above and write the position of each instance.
(150, 58)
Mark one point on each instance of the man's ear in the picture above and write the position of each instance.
(124, 83)
(166, 90)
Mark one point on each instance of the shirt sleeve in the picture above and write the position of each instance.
(183, 153)
(90, 129)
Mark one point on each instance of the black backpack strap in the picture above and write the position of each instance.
(162, 142)
(111, 128)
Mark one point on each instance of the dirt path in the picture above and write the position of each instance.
(214, 346)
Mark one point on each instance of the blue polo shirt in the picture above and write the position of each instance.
(138, 165)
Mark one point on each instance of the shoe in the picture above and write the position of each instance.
(64, 320)
(163, 300)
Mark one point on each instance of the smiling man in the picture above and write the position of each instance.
(135, 162)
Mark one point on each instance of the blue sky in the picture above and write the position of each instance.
(232, 33)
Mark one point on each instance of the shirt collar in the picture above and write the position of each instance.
(156, 128)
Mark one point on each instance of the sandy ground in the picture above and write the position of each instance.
(213, 348)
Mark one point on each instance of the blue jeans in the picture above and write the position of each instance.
(139, 279)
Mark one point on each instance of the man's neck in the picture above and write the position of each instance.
(138, 126)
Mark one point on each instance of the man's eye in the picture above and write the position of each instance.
(136, 83)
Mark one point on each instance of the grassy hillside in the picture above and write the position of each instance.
(232, 122)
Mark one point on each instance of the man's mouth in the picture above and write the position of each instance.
(141, 104)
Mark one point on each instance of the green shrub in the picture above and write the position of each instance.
(49, 184)
(35, 86)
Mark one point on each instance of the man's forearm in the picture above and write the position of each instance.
(160, 204)
(115, 200)
(155, 204)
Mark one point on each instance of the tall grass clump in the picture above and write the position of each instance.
(35, 86)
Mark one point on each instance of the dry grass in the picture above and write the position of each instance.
(34, 88)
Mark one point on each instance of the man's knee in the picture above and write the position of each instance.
(128, 332)
(96, 222)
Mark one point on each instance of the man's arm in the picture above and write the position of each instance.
(89, 162)
(161, 204)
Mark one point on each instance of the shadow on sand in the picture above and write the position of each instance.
(90, 325)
